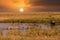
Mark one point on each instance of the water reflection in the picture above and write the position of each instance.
(23, 26)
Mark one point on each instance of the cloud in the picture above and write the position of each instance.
(45, 2)
(37, 5)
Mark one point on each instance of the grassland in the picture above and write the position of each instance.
(30, 17)
(32, 34)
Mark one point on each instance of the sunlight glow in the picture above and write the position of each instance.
(21, 10)
(23, 6)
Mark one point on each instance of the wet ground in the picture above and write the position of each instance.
(24, 26)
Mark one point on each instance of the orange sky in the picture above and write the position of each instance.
(30, 5)
(14, 4)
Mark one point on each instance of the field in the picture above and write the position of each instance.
(29, 17)
(33, 33)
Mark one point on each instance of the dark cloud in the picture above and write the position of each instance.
(5, 9)
(2, 8)
(45, 5)
(45, 2)
(37, 5)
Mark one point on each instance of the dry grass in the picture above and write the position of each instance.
(33, 34)
(28, 17)
(32, 15)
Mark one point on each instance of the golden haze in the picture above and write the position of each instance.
(15, 4)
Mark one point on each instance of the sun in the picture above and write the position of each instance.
(21, 10)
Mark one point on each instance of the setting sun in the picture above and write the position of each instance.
(21, 10)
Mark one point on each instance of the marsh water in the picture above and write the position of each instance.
(23, 26)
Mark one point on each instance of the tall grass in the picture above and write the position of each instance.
(32, 34)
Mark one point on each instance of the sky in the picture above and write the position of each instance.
(30, 5)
